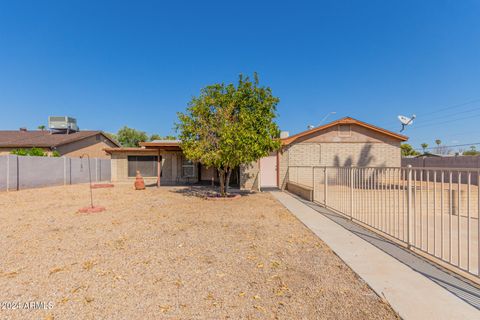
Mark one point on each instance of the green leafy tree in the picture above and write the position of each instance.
(472, 152)
(229, 125)
(112, 136)
(155, 137)
(129, 137)
(159, 137)
(424, 147)
(41, 127)
(407, 150)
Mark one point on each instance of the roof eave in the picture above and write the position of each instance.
(346, 120)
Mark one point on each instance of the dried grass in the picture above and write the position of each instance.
(162, 253)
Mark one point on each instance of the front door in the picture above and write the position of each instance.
(268, 171)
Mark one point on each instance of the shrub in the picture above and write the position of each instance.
(36, 152)
(19, 152)
(33, 152)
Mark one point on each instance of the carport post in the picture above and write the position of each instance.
(159, 168)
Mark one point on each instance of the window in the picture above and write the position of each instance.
(187, 168)
(147, 165)
(344, 130)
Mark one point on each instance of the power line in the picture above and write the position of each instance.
(452, 107)
(451, 146)
(448, 121)
(440, 117)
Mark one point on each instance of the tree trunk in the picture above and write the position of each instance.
(227, 182)
(222, 182)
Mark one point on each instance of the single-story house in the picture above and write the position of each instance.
(160, 162)
(344, 142)
(72, 144)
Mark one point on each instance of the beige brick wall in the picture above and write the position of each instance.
(371, 154)
(361, 148)
(305, 154)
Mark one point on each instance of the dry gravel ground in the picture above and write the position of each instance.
(165, 254)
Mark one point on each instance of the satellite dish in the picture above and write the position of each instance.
(405, 121)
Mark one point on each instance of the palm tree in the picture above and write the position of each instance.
(438, 149)
(41, 127)
(424, 147)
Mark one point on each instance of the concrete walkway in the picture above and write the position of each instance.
(409, 293)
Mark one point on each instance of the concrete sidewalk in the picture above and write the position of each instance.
(409, 293)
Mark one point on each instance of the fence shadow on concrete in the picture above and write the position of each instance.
(461, 287)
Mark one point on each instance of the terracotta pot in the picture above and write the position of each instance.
(139, 182)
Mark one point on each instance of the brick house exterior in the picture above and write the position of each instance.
(345, 142)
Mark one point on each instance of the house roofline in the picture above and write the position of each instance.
(173, 143)
(19, 144)
(86, 137)
(127, 149)
(346, 120)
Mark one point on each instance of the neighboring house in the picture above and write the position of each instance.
(72, 144)
(345, 142)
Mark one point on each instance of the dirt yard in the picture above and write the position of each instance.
(166, 254)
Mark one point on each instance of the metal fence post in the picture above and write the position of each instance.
(351, 193)
(325, 186)
(313, 183)
(409, 203)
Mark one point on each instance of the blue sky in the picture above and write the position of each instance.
(136, 63)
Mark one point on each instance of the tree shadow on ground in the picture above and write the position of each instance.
(202, 191)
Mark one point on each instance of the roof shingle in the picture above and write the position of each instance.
(43, 139)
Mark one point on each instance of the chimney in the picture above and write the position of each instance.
(284, 134)
(23, 129)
